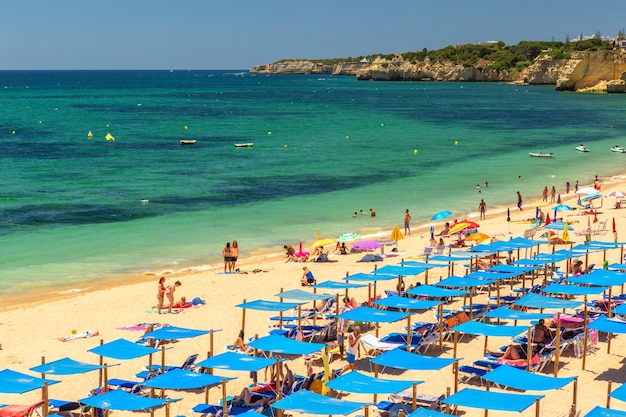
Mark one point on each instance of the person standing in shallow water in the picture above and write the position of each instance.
(482, 207)
(407, 220)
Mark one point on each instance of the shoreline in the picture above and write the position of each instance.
(108, 310)
(263, 255)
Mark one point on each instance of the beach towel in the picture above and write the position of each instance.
(142, 326)
(73, 336)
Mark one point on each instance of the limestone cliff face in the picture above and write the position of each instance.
(584, 71)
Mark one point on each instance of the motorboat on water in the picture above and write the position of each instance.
(582, 148)
(618, 149)
(244, 145)
(541, 154)
(187, 142)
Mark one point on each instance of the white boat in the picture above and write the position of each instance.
(541, 155)
(244, 145)
(187, 141)
(618, 149)
(582, 148)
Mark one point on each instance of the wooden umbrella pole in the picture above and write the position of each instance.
(224, 405)
(575, 395)
(456, 338)
(408, 332)
(529, 349)
(243, 318)
(557, 352)
(440, 311)
(585, 334)
(608, 395)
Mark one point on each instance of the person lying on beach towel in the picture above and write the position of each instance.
(74, 335)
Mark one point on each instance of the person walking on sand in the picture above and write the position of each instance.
(161, 294)
(482, 207)
(234, 254)
(169, 292)
(227, 253)
(407, 219)
(519, 201)
(353, 351)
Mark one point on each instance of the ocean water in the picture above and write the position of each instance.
(75, 210)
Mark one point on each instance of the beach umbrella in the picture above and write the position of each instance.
(396, 234)
(561, 207)
(508, 214)
(462, 226)
(595, 217)
(592, 196)
(558, 200)
(614, 229)
(366, 245)
(565, 233)
(616, 194)
(548, 221)
(477, 237)
(587, 190)
(323, 242)
(348, 237)
(441, 215)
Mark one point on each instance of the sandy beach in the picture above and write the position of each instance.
(30, 329)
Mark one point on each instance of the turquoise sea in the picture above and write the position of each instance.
(74, 210)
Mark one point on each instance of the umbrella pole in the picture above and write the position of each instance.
(440, 311)
(211, 348)
(369, 294)
(456, 377)
(243, 318)
(557, 353)
(408, 332)
(224, 405)
(608, 306)
(375, 376)
(574, 395)
(529, 349)
(162, 359)
(456, 338)
(585, 334)
(414, 396)
(485, 347)
(44, 395)
(537, 407)
(608, 395)
(487, 388)
(101, 362)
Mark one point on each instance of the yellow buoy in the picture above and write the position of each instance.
(109, 137)
(90, 135)
(456, 142)
(415, 151)
(13, 132)
(347, 137)
(185, 127)
(269, 133)
(40, 122)
(286, 146)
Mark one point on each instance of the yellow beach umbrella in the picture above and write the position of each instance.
(396, 234)
(565, 233)
(323, 242)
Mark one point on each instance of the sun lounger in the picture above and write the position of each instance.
(423, 400)
(373, 345)
(215, 410)
(188, 365)
(62, 406)
(20, 410)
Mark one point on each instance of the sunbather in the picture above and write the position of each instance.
(239, 343)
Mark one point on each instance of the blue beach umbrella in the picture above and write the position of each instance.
(561, 207)
(441, 215)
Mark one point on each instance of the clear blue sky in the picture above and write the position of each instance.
(238, 34)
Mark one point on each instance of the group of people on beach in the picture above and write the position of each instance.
(168, 291)
(230, 253)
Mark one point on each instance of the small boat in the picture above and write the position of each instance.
(582, 148)
(618, 149)
(187, 141)
(541, 155)
(244, 145)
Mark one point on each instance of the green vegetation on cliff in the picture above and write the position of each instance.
(492, 55)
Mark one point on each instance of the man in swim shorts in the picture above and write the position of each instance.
(407, 219)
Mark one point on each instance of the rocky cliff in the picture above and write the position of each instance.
(583, 71)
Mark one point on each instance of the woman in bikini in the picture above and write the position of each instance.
(234, 254)
(227, 252)
(169, 292)
(161, 294)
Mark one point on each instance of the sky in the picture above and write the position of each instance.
(239, 34)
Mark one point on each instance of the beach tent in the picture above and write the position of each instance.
(13, 382)
(308, 402)
(482, 329)
(265, 305)
(509, 376)
(435, 292)
(532, 300)
(424, 265)
(490, 400)
(401, 359)
(358, 383)
(236, 362)
(65, 366)
(506, 313)
(405, 303)
(302, 295)
(598, 411)
(174, 333)
(374, 276)
(395, 271)
(372, 315)
(122, 349)
(337, 285)
(123, 401)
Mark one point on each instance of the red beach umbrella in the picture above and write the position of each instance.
(548, 221)
(614, 228)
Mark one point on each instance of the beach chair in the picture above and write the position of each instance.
(530, 233)
(21, 410)
(601, 226)
(428, 251)
(62, 406)
(373, 345)
(149, 372)
(432, 402)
